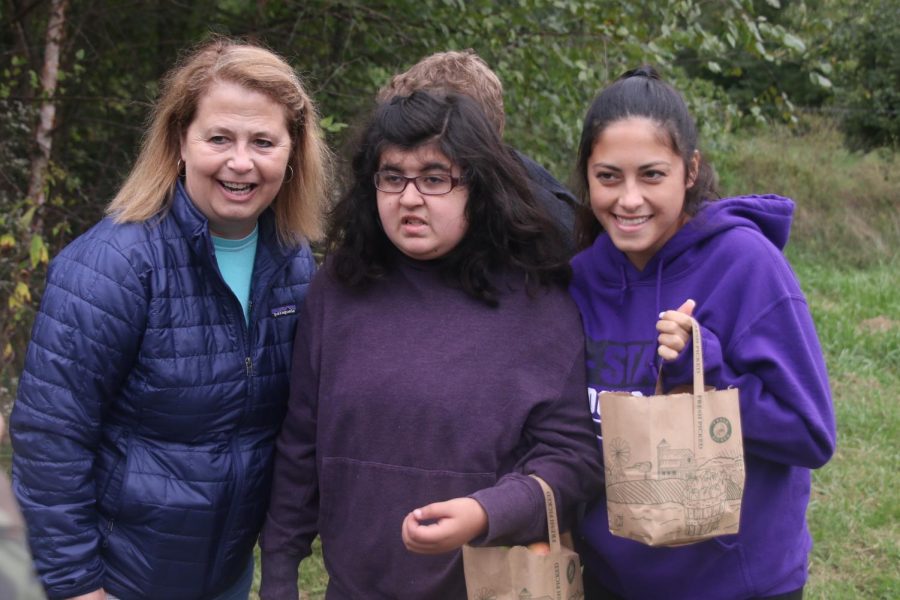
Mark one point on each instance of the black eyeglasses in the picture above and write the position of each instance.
(434, 184)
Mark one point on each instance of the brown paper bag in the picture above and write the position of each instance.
(674, 463)
(517, 573)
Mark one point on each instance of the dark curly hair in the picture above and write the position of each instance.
(507, 231)
(640, 92)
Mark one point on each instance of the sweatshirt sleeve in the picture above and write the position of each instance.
(680, 372)
(562, 450)
(84, 342)
(776, 362)
(291, 524)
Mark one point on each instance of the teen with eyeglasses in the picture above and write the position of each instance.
(464, 72)
(439, 364)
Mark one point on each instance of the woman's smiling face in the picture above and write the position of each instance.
(235, 154)
(637, 184)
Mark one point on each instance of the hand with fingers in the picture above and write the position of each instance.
(443, 526)
(674, 327)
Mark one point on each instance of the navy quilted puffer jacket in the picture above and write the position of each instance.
(147, 412)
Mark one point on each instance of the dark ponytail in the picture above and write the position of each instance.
(640, 92)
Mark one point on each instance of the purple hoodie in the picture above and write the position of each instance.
(409, 392)
(758, 336)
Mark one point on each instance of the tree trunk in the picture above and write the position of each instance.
(44, 133)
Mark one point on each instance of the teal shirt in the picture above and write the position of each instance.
(235, 258)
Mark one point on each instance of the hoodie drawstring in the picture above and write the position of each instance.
(659, 269)
(624, 287)
(654, 364)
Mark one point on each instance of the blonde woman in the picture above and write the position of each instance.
(157, 375)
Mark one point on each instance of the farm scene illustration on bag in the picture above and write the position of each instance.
(692, 496)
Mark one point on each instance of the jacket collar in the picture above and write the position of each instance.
(194, 226)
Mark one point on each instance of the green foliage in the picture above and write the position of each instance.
(552, 55)
(787, 72)
(18, 262)
(737, 62)
(863, 48)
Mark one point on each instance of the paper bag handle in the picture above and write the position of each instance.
(552, 524)
(699, 383)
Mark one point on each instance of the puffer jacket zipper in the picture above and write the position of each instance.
(247, 329)
(215, 571)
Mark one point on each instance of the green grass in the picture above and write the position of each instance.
(312, 579)
(846, 202)
(844, 250)
(854, 514)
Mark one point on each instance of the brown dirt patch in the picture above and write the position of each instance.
(879, 324)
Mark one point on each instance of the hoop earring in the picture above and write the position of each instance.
(290, 175)
(181, 168)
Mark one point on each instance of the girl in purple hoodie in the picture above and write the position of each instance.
(439, 363)
(657, 250)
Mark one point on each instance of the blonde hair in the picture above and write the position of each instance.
(463, 72)
(299, 204)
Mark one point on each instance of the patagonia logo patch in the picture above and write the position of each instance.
(283, 311)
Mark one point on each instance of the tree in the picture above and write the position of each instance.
(863, 49)
(29, 224)
(43, 132)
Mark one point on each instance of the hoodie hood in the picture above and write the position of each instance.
(769, 214)
(669, 278)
